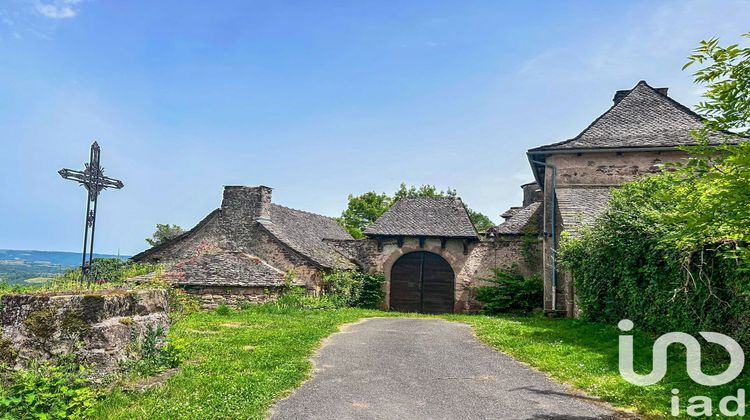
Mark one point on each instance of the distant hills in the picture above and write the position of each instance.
(29, 267)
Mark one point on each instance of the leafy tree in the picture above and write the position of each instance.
(364, 209)
(727, 76)
(164, 233)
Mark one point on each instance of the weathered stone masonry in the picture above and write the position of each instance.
(100, 328)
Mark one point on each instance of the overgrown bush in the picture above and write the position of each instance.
(354, 288)
(638, 262)
(44, 390)
(371, 292)
(511, 292)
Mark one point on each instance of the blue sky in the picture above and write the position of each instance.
(316, 99)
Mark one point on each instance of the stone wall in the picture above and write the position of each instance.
(236, 297)
(100, 328)
(602, 169)
(468, 268)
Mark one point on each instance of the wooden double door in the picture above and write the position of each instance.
(422, 282)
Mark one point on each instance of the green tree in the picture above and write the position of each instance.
(727, 80)
(364, 209)
(164, 233)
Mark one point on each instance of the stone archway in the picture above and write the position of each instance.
(422, 282)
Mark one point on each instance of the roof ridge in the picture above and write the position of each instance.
(306, 212)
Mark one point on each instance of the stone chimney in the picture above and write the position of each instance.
(531, 193)
(253, 203)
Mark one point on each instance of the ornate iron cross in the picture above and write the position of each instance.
(92, 178)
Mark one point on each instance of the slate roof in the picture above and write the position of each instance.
(436, 217)
(644, 117)
(299, 230)
(516, 224)
(581, 205)
(231, 268)
(304, 232)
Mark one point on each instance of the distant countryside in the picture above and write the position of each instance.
(37, 267)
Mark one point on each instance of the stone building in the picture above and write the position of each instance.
(433, 258)
(246, 249)
(641, 131)
(427, 248)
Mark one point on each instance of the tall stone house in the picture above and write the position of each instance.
(430, 253)
(641, 131)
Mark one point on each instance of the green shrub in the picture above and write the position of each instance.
(510, 292)
(371, 293)
(44, 391)
(643, 261)
(153, 354)
(353, 288)
(223, 310)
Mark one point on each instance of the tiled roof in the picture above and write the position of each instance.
(229, 268)
(300, 230)
(517, 223)
(443, 217)
(581, 205)
(643, 117)
(304, 232)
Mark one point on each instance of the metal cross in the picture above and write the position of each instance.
(92, 178)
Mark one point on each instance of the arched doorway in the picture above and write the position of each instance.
(422, 282)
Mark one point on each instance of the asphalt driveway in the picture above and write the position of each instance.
(402, 368)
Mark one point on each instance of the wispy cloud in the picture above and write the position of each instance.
(58, 9)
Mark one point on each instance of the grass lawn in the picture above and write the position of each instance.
(238, 364)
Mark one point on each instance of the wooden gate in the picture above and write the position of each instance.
(422, 282)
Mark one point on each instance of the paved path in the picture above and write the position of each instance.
(408, 368)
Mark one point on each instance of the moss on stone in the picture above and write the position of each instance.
(42, 322)
(73, 324)
(92, 307)
(8, 353)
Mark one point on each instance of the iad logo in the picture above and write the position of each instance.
(701, 405)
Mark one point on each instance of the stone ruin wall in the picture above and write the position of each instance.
(101, 328)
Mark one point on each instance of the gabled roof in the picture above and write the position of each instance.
(304, 232)
(422, 216)
(643, 117)
(581, 205)
(301, 231)
(519, 220)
